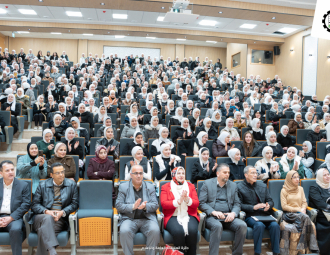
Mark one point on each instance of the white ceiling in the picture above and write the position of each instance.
(139, 18)
(305, 4)
(112, 38)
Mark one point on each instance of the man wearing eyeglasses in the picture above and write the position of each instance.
(137, 203)
(52, 204)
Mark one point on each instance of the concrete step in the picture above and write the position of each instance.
(11, 156)
(28, 133)
(20, 145)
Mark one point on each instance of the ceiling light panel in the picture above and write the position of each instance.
(27, 12)
(208, 23)
(73, 14)
(248, 26)
(3, 11)
(287, 30)
(119, 36)
(119, 16)
(160, 18)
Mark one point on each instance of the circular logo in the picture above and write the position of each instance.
(326, 21)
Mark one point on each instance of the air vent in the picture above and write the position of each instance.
(278, 33)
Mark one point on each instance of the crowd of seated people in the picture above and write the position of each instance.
(165, 111)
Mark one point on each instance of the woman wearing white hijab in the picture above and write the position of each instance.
(217, 120)
(284, 138)
(315, 136)
(234, 136)
(163, 134)
(180, 215)
(92, 108)
(253, 99)
(272, 142)
(307, 158)
(204, 168)
(319, 199)
(266, 167)
(187, 138)
(209, 129)
(177, 118)
(257, 131)
(309, 121)
(138, 159)
(215, 108)
(291, 161)
(130, 129)
(200, 142)
(169, 108)
(72, 145)
(39, 111)
(152, 129)
(134, 112)
(162, 102)
(194, 119)
(165, 162)
(47, 144)
(87, 95)
(189, 108)
(128, 99)
(236, 165)
(268, 129)
(325, 121)
(23, 99)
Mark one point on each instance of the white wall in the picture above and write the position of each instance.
(310, 45)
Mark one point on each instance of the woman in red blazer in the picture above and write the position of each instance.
(180, 202)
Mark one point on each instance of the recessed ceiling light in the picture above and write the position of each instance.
(160, 18)
(208, 23)
(69, 31)
(181, 39)
(29, 29)
(119, 36)
(248, 26)
(152, 38)
(220, 12)
(89, 18)
(108, 32)
(221, 40)
(27, 12)
(73, 14)
(254, 42)
(211, 41)
(119, 16)
(23, 32)
(45, 16)
(41, 0)
(3, 11)
(163, 7)
(274, 18)
(287, 30)
(55, 33)
(88, 34)
(102, 3)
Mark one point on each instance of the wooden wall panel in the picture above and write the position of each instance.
(323, 67)
(265, 71)
(213, 53)
(36, 44)
(233, 48)
(82, 48)
(3, 42)
(179, 51)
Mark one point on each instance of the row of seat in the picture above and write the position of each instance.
(95, 223)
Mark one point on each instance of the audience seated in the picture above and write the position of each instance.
(139, 216)
(272, 142)
(32, 166)
(138, 159)
(266, 167)
(179, 201)
(290, 161)
(109, 142)
(204, 168)
(249, 147)
(319, 200)
(47, 144)
(256, 201)
(308, 159)
(152, 130)
(72, 145)
(234, 136)
(315, 136)
(236, 165)
(131, 128)
(284, 138)
(221, 146)
(66, 161)
(80, 131)
(15, 197)
(12, 106)
(23, 99)
(297, 231)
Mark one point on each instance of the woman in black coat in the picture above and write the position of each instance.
(249, 147)
(315, 136)
(183, 132)
(163, 139)
(275, 114)
(236, 165)
(284, 138)
(51, 108)
(72, 145)
(272, 142)
(80, 131)
(137, 141)
(209, 129)
(319, 199)
(194, 119)
(109, 142)
(176, 120)
(257, 131)
(13, 107)
(203, 168)
(217, 120)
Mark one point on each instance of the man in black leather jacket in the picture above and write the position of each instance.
(52, 204)
(256, 201)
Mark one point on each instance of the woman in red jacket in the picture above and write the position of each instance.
(180, 202)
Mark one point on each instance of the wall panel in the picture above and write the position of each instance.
(213, 53)
(180, 51)
(265, 71)
(232, 49)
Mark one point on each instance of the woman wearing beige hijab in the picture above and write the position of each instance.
(298, 234)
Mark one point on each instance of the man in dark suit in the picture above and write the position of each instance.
(219, 199)
(52, 204)
(15, 201)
